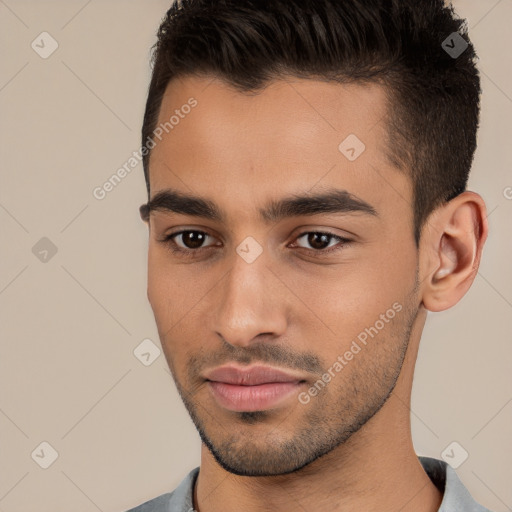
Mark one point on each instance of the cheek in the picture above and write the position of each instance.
(168, 292)
(177, 294)
(166, 301)
(158, 283)
(349, 298)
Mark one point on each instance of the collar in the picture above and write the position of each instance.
(456, 498)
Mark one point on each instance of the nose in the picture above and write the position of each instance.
(251, 302)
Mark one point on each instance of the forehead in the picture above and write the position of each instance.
(290, 137)
(296, 111)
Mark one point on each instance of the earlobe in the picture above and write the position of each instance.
(454, 241)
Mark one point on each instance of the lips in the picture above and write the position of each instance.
(250, 376)
(257, 388)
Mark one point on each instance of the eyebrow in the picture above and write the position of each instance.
(330, 201)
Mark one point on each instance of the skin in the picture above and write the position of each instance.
(350, 446)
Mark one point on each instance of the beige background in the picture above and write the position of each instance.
(68, 374)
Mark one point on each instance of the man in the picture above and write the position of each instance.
(307, 207)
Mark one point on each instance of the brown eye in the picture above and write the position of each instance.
(191, 243)
(319, 241)
(192, 239)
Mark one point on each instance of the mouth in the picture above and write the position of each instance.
(257, 388)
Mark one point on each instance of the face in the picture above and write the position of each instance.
(285, 292)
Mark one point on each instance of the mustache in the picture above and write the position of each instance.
(259, 352)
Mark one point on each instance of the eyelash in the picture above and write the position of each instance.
(192, 253)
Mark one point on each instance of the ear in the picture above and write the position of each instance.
(451, 247)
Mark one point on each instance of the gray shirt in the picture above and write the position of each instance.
(456, 497)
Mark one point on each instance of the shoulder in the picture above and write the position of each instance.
(179, 500)
(159, 504)
(455, 495)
